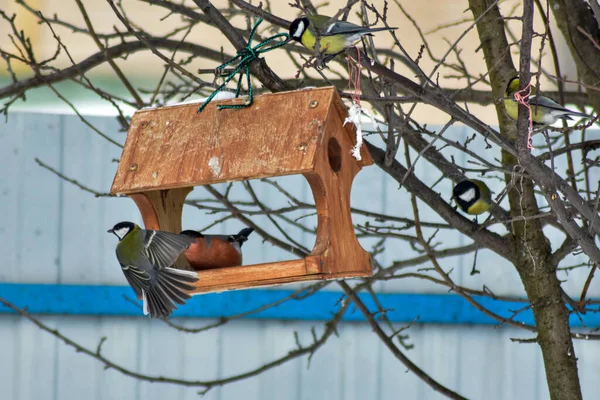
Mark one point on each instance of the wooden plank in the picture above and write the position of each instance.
(281, 382)
(160, 354)
(268, 274)
(246, 340)
(11, 356)
(331, 184)
(203, 356)
(161, 209)
(219, 279)
(77, 375)
(12, 194)
(111, 383)
(36, 357)
(40, 203)
(175, 146)
(82, 153)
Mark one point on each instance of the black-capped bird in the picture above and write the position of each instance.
(544, 111)
(147, 259)
(333, 38)
(472, 196)
(215, 251)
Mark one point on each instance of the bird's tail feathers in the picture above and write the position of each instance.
(145, 301)
(372, 30)
(172, 289)
(180, 274)
(242, 235)
(156, 306)
(171, 286)
(579, 114)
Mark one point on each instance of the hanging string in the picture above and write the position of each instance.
(522, 97)
(356, 112)
(245, 57)
(354, 77)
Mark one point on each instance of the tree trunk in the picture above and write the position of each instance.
(579, 28)
(534, 263)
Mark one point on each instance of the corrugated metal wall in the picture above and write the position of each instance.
(53, 232)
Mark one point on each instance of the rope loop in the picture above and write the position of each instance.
(354, 76)
(245, 57)
(522, 97)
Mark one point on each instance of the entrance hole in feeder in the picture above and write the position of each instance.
(334, 154)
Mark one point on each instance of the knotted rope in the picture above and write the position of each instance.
(245, 57)
(354, 76)
(356, 112)
(522, 97)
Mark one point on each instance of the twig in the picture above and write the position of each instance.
(114, 66)
(330, 328)
(73, 181)
(393, 348)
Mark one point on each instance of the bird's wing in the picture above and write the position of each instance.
(545, 102)
(342, 27)
(163, 248)
(170, 286)
(138, 276)
(320, 23)
(552, 105)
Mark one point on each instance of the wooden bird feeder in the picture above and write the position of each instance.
(170, 150)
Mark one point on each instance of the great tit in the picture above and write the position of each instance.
(472, 196)
(545, 111)
(333, 38)
(147, 259)
(215, 251)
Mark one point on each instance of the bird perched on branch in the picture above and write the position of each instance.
(215, 251)
(472, 196)
(333, 38)
(544, 111)
(147, 259)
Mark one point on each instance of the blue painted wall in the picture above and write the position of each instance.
(319, 306)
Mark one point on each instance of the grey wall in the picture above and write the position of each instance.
(53, 232)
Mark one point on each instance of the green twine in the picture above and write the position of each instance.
(246, 56)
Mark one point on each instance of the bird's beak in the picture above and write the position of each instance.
(110, 231)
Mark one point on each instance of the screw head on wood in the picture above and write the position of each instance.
(302, 147)
(133, 167)
(313, 104)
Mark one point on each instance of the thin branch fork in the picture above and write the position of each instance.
(318, 342)
(387, 341)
